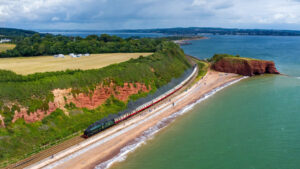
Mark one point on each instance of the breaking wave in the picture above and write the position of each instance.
(149, 134)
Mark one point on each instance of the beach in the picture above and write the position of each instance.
(114, 139)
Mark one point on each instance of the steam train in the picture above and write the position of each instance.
(107, 122)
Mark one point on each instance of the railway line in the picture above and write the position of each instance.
(48, 153)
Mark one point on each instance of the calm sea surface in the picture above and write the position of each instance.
(254, 124)
(86, 33)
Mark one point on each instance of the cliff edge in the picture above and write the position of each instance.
(242, 66)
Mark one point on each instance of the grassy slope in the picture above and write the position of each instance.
(203, 67)
(6, 46)
(15, 32)
(18, 140)
(30, 65)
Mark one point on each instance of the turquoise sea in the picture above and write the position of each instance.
(253, 124)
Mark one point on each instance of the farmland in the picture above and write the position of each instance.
(30, 65)
(6, 46)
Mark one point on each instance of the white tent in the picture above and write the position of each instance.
(73, 55)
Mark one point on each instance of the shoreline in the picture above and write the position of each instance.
(187, 40)
(113, 148)
(150, 133)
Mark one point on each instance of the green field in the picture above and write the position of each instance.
(30, 65)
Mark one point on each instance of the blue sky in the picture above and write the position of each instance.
(135, 14)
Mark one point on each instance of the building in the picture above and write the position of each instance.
(5, 40)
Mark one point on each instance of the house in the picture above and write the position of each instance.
(5, 40)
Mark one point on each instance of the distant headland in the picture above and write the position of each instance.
(216, 31)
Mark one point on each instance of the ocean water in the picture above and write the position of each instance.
(284, 51)
(253, 124)
(86, 33)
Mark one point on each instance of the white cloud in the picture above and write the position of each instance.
(199, 2)
(55, 18)
(42, 10)
(117, 14)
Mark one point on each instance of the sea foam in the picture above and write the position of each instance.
(149, 134)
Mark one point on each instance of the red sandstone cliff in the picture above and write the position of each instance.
(91, 101)
(1, 121)
(244, 66)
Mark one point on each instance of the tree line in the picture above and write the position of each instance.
(49, 44)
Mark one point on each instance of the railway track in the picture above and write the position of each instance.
(78, 139)
(46, 153)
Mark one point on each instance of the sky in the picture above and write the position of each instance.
(139, 14)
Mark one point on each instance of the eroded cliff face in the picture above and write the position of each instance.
(34, 116)
(91, 100)
(245, 67)
(99, 96)
(1, 121)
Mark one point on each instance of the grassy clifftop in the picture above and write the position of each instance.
(34, 92)
(39, 64)
(241, 65)
(218, 57)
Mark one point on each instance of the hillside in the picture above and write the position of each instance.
(241, 65)
(9, 32)
(39, 109)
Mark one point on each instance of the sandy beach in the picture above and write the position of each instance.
(126, 132)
